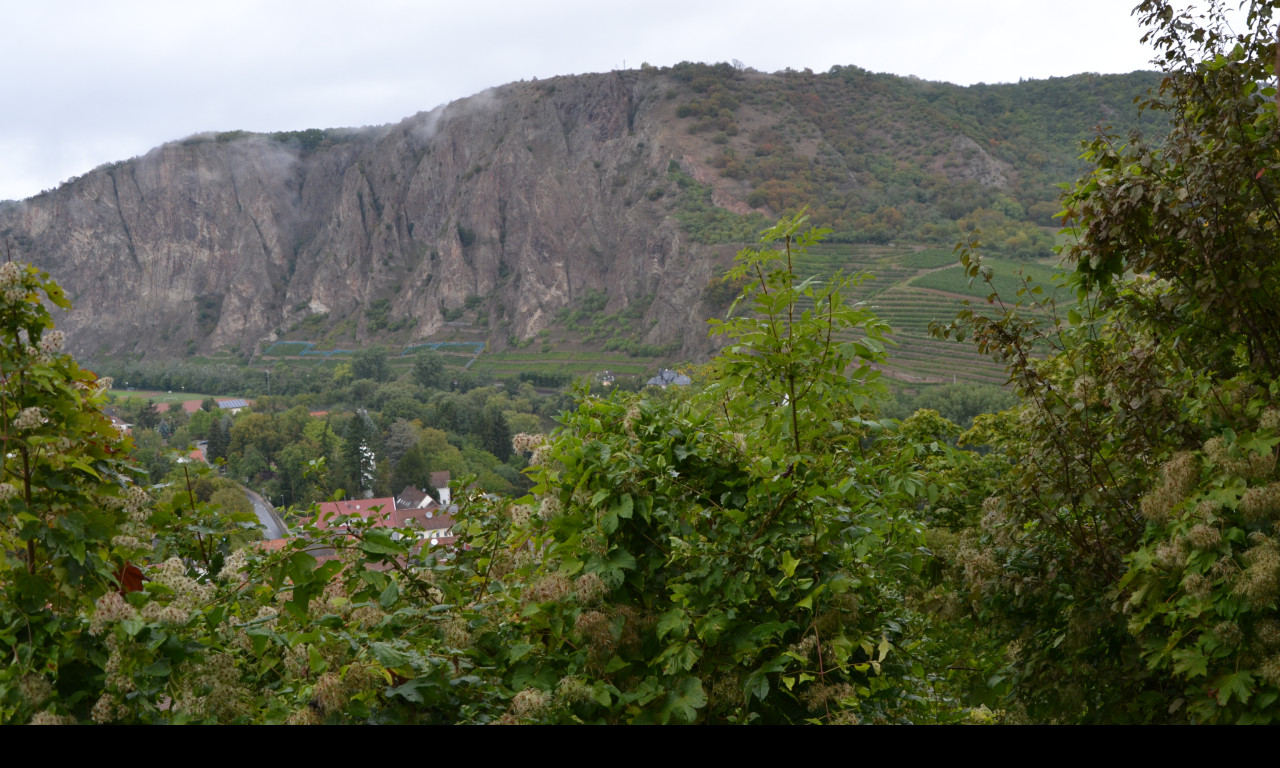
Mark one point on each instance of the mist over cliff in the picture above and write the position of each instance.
(525, 198)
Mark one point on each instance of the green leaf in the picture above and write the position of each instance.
(757, 685)
(622, 507)
(158, 668)
(709, 628)
(679, 657)
(1239, 684)
(609, 522)
(673, 622)
(806, 602)
(316, 662)
(1190, 662)
(389, 595)
(389, 656)
(260, 640)
(685, 700)
(789, 564)
(378, 541)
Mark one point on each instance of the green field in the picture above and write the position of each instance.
(158, 396)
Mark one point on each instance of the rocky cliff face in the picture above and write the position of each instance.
(525, 196)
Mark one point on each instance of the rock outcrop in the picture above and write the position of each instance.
(525, 195)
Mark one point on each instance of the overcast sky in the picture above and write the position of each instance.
(85, 83)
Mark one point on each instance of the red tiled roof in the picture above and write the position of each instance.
(362, 507)
(428, 518)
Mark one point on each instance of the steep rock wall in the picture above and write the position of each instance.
(206, 244)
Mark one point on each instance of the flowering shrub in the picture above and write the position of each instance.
(1202, 590)
(1128, 558)
(69, 520)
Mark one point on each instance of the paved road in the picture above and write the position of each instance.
(267, 516)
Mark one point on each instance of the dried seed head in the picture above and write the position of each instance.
(1229, 633)
(1203, 537)
(553, 586)
(1268, 633)
(1260, 503)
(1197, 585)
(572, 690)
(589, 588)
(596, 629)
(530, 703)
(1269, 670)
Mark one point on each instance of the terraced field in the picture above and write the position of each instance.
(911, 288)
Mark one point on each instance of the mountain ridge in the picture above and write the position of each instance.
(521, 200)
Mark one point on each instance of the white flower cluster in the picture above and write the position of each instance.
(549, 508)
(10, 274)
(212, 689)
(28, 418)
(134, 533)
(171, 615)
(135, 503)
(519, 513)
(525, 442)
(38, 356)
(530, 703)
(109, 609)
(124, 541)
(233, 567)
(188, 593)
(96, 386)
(540, 456)
(11, 282)
(51, 342)
(47, 717)
(106, 709)
(35, 689)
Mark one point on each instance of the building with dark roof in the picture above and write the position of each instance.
(667, 378)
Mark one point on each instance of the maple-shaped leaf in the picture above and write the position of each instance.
(130, 578)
